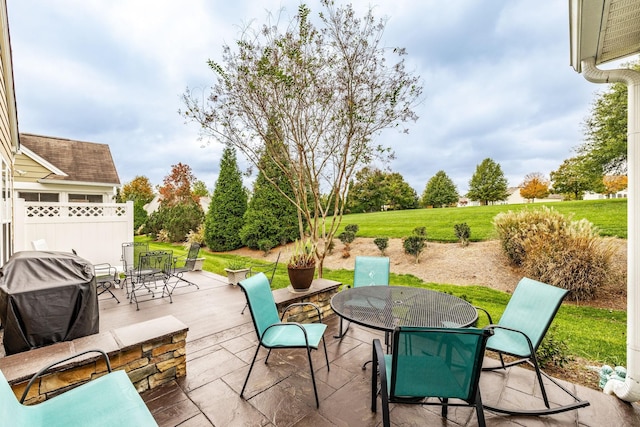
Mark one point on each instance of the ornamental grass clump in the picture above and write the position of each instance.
(195, 237)
(578, 261)
(516, 228)
(553, 249)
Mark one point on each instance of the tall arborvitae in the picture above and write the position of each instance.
(271, 219)
(228, 205)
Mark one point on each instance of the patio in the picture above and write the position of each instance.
(220, 345)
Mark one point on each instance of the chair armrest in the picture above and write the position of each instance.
(46, 368)
(277, 325)
(485, 312)
(267, 269)
(380, 369)
(298, 304)
(179, 258)
(105, 269)
(529, 343)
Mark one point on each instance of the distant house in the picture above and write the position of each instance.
(515, 197)
(50, 169)
(465, 201)
(597, 196)
(154, 205)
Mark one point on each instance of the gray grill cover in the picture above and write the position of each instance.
(45, 298)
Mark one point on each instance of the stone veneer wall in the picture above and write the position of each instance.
(319, 293)
(152, 353)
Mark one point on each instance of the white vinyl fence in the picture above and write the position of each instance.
(95, 231)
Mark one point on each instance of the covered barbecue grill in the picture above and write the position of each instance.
(45, 298)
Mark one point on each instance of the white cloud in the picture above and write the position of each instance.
(496, 75)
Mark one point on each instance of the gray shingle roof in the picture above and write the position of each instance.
(81, 161)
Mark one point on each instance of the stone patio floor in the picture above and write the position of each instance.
(221, 343)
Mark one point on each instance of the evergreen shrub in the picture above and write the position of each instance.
(382, 243)
(352, 228)
(415, 244)
(347, 237)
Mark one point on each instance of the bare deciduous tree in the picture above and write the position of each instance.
(312, 99)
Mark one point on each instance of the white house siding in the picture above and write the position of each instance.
(596, 196)
(516, 198)
(8, 138)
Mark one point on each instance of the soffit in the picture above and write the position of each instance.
(603, 29)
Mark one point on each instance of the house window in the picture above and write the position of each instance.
(39, 197)
(6, 233)
(85, 198)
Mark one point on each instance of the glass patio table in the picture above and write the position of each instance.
(386, 307)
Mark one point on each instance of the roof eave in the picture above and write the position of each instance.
(585, 23)
(87, 183)
(43, 162)
(605, 30)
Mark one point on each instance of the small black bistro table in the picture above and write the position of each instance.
(386, 307)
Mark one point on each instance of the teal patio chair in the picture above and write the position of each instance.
(368, 271)
(275, 334)
(269, 270)
(520, 331)
(110, 400)
(444, 363)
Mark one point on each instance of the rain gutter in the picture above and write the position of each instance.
(629, 390)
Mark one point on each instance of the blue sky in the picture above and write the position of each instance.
(496, 77)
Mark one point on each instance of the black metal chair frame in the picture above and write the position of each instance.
(552, 298)
(153, 266)
(42, 371)
(177, 273)
(130, 268)
(106, 278)
(78, 404)
(533, 362)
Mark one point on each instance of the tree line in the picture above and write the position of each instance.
(303, 101)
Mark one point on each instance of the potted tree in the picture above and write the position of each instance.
(302, 265)
(236, 271)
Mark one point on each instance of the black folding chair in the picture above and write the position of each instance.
(180, 266)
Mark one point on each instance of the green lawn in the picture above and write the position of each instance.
(608, 215)
(596, 335)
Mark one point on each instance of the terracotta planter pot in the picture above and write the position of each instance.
(301, 278)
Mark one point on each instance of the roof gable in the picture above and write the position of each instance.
(70, 160)
(42, 162)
